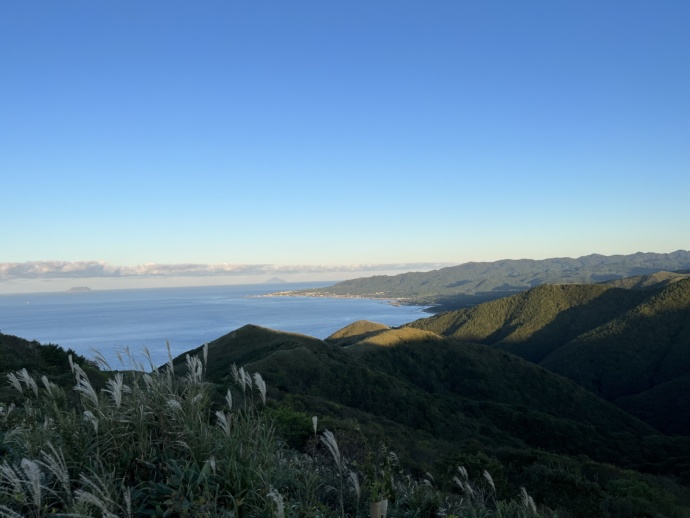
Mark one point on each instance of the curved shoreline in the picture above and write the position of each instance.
(393, 301)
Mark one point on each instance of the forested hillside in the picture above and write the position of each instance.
(630, 346)
(475, 282)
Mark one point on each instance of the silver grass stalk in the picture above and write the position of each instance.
(354, 480)
(11, 478)
(199, 370)
(96, 495)
(91, 499)
(100, 359)
(127, 494)
(314, 422)
(228, 398)
(50, 387)
(85, 388)
(78, 371)
(527, 500)
(6, 512)
(465, 486)
(54, 462)
(169, 373)
(18, 436)
(149, 359)
(490, 480)
(393, 458)
(328, 439)
(14, 381)
(261, 385)
(205, 356)
(32, 477)
(195, 369)
(243, 379)
(170, 358)
(224, 422)
(24, 376)
(138, 365)
(71, 363)
(115, 387)
(88, 416)
(463, 471)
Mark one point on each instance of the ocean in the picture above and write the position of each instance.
(111, 320)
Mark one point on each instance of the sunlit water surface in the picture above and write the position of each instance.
(111, 320)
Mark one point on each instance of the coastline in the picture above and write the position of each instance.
(393, 301)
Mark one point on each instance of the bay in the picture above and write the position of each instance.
(109, 321)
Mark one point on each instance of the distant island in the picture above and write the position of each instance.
(79, 289)
(275, 280)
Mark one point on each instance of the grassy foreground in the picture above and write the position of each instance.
(155, 444)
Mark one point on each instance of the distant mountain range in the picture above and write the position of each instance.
(471, 283)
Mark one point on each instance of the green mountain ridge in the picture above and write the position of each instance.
(449, 390)
(630, 346)
(475, 282)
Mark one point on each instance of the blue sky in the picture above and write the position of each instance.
(341, 133)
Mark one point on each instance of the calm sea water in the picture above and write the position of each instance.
(111, 320)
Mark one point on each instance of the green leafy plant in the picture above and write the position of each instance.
(378, 471)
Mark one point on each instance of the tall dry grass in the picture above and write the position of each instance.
(152, 443)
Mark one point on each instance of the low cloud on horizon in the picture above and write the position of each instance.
(37, 270)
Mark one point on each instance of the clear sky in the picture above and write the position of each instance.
(342, 132)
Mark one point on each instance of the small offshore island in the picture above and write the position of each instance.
(79, 289)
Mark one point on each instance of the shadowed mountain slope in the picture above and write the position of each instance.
(617, 343)
(442, 389)
(49, 359)
(470, 283)
(654, 280)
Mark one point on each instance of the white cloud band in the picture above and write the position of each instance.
(100, 269)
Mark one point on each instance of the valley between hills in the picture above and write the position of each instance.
(576, 391)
